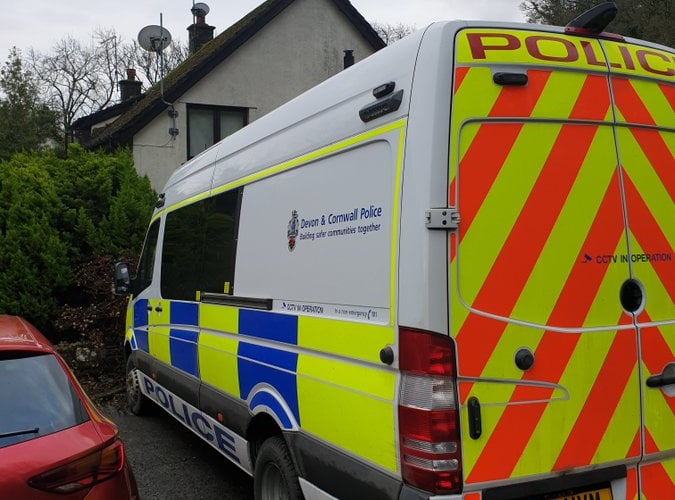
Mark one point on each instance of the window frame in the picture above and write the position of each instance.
(215, 121)
(197, 250)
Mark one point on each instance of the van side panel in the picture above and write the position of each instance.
(293, 337)
(331, 222)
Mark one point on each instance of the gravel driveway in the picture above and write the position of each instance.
(172, 463)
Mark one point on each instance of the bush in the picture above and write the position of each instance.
(55, 215)
(107, 205)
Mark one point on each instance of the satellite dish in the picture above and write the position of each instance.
(200, 9)
(154, 38)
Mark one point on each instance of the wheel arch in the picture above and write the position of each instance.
(261, 427)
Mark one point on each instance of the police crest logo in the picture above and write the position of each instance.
(293, 226)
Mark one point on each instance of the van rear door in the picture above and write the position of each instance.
(549, 378)
(643, 89)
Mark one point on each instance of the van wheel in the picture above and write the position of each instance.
(275, 476)
(137, 403)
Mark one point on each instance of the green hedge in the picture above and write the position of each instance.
(56, 213)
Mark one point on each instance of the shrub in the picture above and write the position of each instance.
(56, 214)
(34, 260)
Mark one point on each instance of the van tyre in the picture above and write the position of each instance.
(137, 403)
(275, 475)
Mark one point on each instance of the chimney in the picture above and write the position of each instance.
(130, 87)
(200, 32)
(348, 59)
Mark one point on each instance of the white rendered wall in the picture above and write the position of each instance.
(298, 49)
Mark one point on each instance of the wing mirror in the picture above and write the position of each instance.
(122, 279)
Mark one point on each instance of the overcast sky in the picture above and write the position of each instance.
(41, 23)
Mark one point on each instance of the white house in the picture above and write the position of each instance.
(273, 54)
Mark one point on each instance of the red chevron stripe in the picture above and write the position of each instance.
(600, 406)
(669, 92)
(518, 422)
(629, 103)
(659, 155)
(513, 266)
(651, 142)
(631, 484)
(460, 74)
(656, 354)
(492, 145)
(649, 234)
(655, 481)
(635, 448)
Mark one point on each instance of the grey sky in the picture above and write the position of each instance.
(41, 23)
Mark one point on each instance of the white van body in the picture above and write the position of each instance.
(491, 250)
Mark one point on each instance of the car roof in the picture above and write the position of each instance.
(18, 334)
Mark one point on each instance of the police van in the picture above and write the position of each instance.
(445, 272)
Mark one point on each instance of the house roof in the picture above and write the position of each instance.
(106, 113)
(195, 67)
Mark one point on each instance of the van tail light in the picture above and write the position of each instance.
(84, 472)
(428, 412)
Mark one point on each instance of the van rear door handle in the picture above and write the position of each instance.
(475, 423)
(158, 309)
(663, 379)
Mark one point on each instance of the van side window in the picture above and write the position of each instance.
(221, 243)
(199, 247)
(182, 251)
(146, 263)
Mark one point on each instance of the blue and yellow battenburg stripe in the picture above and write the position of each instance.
(278, 362)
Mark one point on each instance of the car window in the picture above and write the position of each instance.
(36, 398)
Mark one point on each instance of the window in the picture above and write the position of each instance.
(220, 245)
(181, 253)
(41, 398)
(146, 263)
(209, 124)
(199, 247)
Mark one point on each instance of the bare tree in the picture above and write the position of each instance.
(107, 45)
(72, 79)
(78, 79)
(147, 64)
(389, 33)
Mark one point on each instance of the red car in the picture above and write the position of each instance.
(54, 443)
